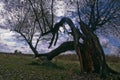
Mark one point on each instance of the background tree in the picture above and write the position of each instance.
(30, 18)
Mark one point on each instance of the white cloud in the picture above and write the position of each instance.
(1, 6)
(60, 8)
(104, 41)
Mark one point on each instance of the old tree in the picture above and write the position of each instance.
(93, 14)
(29, 17)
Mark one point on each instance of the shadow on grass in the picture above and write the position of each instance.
(46, 64)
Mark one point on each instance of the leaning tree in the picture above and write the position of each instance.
(93, 15)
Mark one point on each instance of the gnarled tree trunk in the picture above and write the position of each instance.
(94, 53)
(90, 52)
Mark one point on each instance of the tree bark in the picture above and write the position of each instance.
(94, 52)
(33, 49)
(66, 46)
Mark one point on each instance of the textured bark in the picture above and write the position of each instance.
(94, 52)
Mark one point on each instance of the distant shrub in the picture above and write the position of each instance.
(17, 52)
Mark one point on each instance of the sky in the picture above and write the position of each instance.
(10, 43)
(2, 20)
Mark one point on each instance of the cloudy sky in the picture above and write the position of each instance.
(9, 42)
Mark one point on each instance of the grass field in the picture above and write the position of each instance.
(64, 67)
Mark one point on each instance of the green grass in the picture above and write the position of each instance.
(25, 67)
(21, 67)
